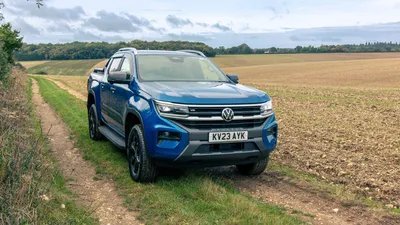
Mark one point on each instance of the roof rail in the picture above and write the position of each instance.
(134, 50)
(193, 52)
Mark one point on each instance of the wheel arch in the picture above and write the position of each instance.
(132, 118)
(91, 99)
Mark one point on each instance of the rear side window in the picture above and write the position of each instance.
(115, 64)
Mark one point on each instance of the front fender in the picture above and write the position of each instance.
(94, 89)
(141, 108)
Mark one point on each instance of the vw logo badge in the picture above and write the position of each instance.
(227, 114)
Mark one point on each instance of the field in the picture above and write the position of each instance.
(339, 118)
(60, 67)
(254, 60)
(29, 64)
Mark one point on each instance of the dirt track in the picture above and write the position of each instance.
(274, 189)
(98, 195)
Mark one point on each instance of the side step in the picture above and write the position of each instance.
(115, 138)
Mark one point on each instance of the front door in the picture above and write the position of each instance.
(121, 93)
(105, 92)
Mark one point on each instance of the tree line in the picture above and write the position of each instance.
(366, 47)
(100, 50)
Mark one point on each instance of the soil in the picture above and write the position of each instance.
(99, 195)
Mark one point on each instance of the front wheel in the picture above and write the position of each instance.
(253, 168)
(141, 166)
(94, 132)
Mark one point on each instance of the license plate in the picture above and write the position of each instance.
(227, 136)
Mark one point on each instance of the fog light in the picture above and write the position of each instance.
(272, 131)
(166, 135)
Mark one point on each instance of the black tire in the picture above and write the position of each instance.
(141, 166)
(94, 124)
(253, 168)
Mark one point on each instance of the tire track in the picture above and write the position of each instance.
(273, 189)
(100, 196)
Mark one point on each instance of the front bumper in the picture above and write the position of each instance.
(194, 149)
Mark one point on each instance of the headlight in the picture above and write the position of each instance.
(266, 108)
(171, 109)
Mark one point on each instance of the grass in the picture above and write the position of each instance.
(64, 67)
(29, 64)
(75, 83)
(27, 171)
(195, 198)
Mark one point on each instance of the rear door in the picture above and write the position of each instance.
(121, 93)
(106, 108)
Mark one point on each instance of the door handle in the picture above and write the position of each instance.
(113, 89)
(102, 86)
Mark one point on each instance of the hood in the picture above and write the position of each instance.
(203, 93)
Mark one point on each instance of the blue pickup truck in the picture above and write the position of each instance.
(178, 109)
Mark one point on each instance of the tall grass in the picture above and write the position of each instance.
(31, 187)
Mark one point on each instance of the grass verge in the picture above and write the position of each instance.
(193, 198)
(32, 189)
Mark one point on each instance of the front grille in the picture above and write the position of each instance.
(221, 124)
(209, 117)
(205, 112)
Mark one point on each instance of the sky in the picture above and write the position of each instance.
(259, 23)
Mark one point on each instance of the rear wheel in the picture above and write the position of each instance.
(141, 166)
(253, 168)
(94, 132)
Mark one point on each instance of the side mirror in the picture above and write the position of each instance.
(119, 77)
(234, 78)
(98, 70)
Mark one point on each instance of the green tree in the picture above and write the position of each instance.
(298, 49)
(11, 40)
(244, 49)
(273, 50)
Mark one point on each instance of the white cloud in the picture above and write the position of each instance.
(200, 20)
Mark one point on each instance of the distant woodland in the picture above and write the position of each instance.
(100, 50)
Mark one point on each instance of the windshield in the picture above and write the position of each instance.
(178, 68)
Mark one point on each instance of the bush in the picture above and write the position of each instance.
(40, 73)
(4, 65)
(32, 188)
(19, 66)
(21, 155)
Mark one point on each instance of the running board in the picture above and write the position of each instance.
(111, 135)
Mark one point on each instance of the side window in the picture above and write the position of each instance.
(115, 64)
(126, 65)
